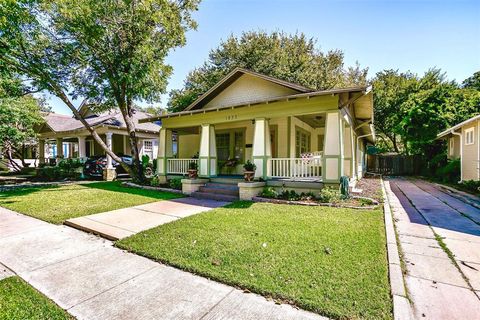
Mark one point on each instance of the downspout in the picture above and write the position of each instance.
(364, 136)
(461, 152)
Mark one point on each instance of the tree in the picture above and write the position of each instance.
(19, 114)
(293, 58)
(108, 52)
(472, 82)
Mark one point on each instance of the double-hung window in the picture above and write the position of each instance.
(470, 136)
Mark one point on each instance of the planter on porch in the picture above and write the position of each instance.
(249, 173)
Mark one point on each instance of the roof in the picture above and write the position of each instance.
(457, 126)
(283, 98)
(63, 123)
(234, 75)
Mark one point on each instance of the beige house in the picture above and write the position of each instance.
(63, 136)
(293, 134)
(463, 142)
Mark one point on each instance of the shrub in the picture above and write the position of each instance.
(249, 166)
(450, 172)
(471, 185)
(329, 195)
(175, 183)
(192, 166)
(50, 173)
(308, 196)
(269, 192)
(155, 182)
(289, 195)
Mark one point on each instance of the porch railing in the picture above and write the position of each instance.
(179, 166)
(296, 168)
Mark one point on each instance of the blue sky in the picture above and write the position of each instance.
(405, 35)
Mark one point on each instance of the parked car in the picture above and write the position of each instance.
(94, 166)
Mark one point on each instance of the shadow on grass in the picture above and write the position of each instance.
(116, 186)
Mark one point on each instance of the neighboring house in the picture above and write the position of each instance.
(463, 142)
(291, 133)
(63, 136)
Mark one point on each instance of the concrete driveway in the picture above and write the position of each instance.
(439, 236)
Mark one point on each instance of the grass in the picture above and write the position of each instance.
(18, 300)
(328, 260)
(57, 204)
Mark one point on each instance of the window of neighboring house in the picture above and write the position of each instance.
(452, 146)
(302, 142)
(148, 148)
(470, 136)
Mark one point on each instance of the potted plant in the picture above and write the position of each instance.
(249, 171)
(192, 170)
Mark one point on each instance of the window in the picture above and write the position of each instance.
(148, 148)
(231, 145)
(223, 146)
(302, 142)
(452, 146)
(469, 136)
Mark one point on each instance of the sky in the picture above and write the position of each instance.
(405, 35)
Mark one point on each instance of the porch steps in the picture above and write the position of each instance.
(218, 191)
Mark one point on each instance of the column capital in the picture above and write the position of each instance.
(108, 134)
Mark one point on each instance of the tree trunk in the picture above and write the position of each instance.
(137, 167)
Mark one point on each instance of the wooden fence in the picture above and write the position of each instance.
(397, 165)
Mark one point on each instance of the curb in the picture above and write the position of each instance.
(402, 309)
(460, 195)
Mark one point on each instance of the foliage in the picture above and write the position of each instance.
(278, 251)
(18, 300)
(269, 192)
(290, 57)
(471, 186)
(107, 53)
(57, 204)
(155, 181)
(249, 166)
(472, 82)
(66, 169)
(289, 195)
(329, 195)
(175, 183)
(410, 110)
(449, 172)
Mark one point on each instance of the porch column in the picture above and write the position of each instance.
(165, 151)
(41, 151)
(208, 152)
(108, 142)
(333, 154)
(59, 149)
(261, 150)
(349, 152)
(82, 151)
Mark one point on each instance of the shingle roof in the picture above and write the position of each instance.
(61, 123)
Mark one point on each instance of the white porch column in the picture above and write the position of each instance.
(349, 157)
(41, 151)
(59, 149)
(262, 149)
(82, 151)
(165, 151)
(108, 142)
(333, 154)
(208, 152)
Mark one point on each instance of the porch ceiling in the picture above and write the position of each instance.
(313, 120)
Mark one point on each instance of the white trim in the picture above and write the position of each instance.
(470, 136)
(452, 146)
(461, 124)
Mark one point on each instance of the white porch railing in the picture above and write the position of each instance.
(305, 168)
(179, 166)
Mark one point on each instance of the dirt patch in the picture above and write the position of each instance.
(370, 187)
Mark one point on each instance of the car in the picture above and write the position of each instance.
(94, 166)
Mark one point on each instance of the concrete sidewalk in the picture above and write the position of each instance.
(438, 287)
(91, 279)
(122, 223)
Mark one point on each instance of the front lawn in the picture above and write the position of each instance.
(328, 260)
(18, 300)
(57, 204)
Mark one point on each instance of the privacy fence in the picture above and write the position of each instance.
(396, 165)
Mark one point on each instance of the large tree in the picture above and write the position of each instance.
(110, 53)
(293, 58)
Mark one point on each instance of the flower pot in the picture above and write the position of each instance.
(192, 173)
(249, 175)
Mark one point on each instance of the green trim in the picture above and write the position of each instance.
(289, 134)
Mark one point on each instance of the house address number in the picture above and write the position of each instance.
(231, 117)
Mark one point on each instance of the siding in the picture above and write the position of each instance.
(470, 154)
(247, 89)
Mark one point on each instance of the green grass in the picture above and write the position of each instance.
(57, 204)
(328, 260)
(19, 301)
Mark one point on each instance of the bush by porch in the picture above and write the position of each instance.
(328, 260)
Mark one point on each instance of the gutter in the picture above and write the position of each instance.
(461, 152)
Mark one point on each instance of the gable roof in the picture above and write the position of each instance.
(232, 77)
(455, 127)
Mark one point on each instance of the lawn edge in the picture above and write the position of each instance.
(402, 308)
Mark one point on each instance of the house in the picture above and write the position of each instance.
(297, 137)
(63, 136)
(463, 142)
